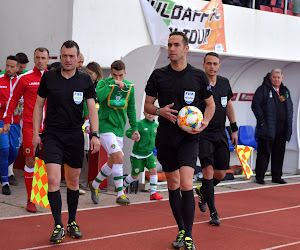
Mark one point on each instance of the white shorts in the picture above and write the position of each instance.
(111, 143)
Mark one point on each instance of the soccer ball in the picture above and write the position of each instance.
(189, 118)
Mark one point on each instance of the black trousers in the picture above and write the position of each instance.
(265, 148)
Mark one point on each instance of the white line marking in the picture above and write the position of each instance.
(145, 202)
(156, 229)
(281, 246)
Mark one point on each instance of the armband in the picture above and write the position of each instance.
(234, 127)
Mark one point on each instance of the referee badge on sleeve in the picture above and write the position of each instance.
(77, 97)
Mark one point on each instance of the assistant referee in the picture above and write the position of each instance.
(63, 144)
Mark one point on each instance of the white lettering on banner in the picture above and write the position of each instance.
(181, 18)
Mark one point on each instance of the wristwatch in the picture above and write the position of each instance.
(157, 111)
(96, 134)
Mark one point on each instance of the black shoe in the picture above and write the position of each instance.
(214, 219)
(73, 230)
(201, 201)
(178, 243)
(6, 190)
(189, 244)
(12, 180)
(260, 181)
(58, 234)
(280, 181)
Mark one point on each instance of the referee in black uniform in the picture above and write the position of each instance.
(177, 85)
(213, 144)
(65, 89)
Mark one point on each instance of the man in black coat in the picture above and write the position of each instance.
(273, 108)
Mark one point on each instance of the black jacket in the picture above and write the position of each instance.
(264, 108)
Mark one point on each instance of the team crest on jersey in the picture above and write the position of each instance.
(113, 146)
(136, 170)
(77, 97)
(224, 101)
(155, 130)
(27, 150)
(189, 96)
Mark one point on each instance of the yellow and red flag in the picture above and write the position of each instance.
(40, 184)
(244, 153)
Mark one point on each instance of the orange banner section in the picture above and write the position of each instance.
(216, 40)
(244, 153)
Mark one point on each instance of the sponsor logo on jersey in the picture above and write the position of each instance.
(77, 97)
(3, 87)
(34, 83)
(189, 96)
(145, 129)
(224, 101)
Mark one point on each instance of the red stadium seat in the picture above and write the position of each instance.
(277, 10)
(265, 8)
(289, 12)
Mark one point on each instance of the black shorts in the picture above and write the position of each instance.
(63, 147)
(214, 150)
(175, 148)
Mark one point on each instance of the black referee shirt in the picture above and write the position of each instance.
(65, 99)
(222, 93)
(185, 88)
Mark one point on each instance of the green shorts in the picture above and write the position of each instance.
(138, 165)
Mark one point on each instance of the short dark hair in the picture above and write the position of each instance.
(212, 54)
(22, 57)
(185, 40)
(55, 65)
(14, 58)
(117, 65)
(70, 44)
(95, 67)
(41, 49)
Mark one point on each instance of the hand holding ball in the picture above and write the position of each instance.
(189, 118)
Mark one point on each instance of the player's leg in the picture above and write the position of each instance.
(54, 197)
(14, 146)
(72, 180)
(175, 200)
(4, 153)
(29, 154)
(151, 165)
(137, 165)
(53, 158)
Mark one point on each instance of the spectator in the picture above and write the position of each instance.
(273, 108)
(27, 87)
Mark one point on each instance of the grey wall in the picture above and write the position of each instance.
(26, 25)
